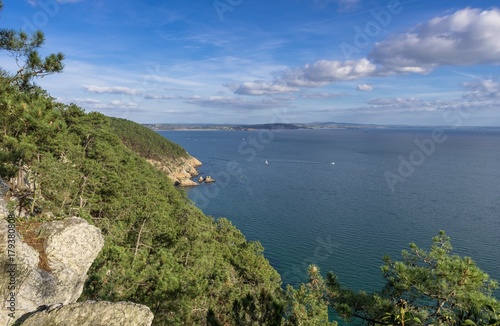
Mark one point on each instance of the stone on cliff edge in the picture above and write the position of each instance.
(70, 246)
(92, 314)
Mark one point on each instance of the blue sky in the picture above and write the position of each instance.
(255, 61)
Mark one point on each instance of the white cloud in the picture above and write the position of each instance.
(111, 90)
(365, 87)
(466, 37)
(330, 71)
(323, 72)
(296, 78)
(482, 89)
(93, 104)
(122, 104)
(480, 94)
(263, 88)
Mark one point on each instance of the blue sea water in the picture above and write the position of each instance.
(346, 216)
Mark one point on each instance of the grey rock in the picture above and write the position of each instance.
(91, 314)
(70, 245)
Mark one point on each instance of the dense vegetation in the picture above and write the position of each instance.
(147, 144)
(162, 251)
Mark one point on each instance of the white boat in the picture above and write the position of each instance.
(267, 162)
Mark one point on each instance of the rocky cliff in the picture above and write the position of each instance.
(47, 267)
(180, 171)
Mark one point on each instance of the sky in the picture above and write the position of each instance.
(255, 61)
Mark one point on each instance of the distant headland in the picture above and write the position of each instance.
(270, 126)
(290, 126)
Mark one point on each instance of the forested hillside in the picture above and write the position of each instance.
(147, 144)
(160, 249)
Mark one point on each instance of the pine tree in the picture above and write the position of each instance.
(24, 48)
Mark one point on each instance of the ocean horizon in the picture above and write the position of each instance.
(344, 198)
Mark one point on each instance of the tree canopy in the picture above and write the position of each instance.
(23, 47)
(433, 287)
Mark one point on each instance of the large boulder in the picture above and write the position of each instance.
(90, 314)
(69, 248)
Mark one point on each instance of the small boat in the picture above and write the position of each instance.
(333, 163)
(267, 162)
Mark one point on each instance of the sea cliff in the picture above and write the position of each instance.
(179, 170)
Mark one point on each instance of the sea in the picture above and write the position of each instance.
(342, 199)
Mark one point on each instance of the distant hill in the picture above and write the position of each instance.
(271, 126)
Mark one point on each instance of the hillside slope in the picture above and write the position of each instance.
(160, 250)
(167, 156)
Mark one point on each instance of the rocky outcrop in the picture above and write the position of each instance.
(91, 314)
(69, 248)
(208, 179)
(180, 170)
(46, 275)
(186, 183)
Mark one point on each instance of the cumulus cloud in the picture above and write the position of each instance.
(328, 71)
(324, 72)
(466, 37)
(365, 87)
(111, 90)
(263, 88)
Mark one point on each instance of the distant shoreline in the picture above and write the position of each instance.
(311, 126)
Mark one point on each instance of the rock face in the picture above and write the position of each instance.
(69, 248)
(91, 314)
(179, 171)
(45, 294)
